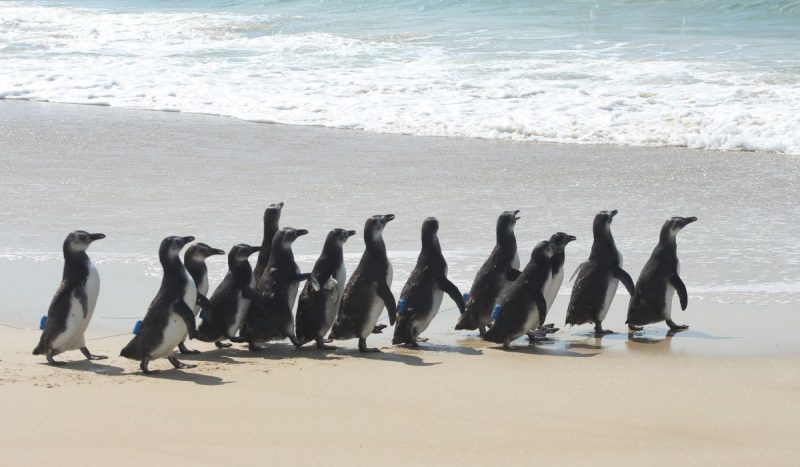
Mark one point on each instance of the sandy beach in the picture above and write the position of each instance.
(725, 392)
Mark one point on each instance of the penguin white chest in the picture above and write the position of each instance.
(613, 283)
(337, 282)
(77, 318)
(377, 305)
(424, 321)
(175, 330)
(553, 286)
(669, 295)
(202, 289)
(242, 305)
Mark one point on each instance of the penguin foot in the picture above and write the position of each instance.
(676, 327)
(222, 345)
(145, 370)
(89, 355)
(251, 346)
(362, 347)
(379, 329)
(327, 341)
(421, 339)
(600, 332)
(177, 363)
(634, 327)
(52, 361)
(537, 334)
(321, 345)
(238, 339)
(482, 330)
(550, 328)
(182, 348)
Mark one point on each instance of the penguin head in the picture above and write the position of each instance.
(239, 253)
(201, 251)
(543, 250)
(506, 223)
(560, 240)
(171, 246)
(373, 229)
(430, 227)
(273, 214)
(340, 236)
(287, 235)
(675, 224)
(602, 222)
(80, 240)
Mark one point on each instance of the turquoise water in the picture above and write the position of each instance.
(708, 74)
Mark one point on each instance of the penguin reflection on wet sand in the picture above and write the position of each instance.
(195, 262)
(73, 304)
(425, 288)
(659, 281)
(170, 316)
(271, 318)
(368, 290)
(598, 278)
(317, 309)
(499, 270)
(230, 303)
(524, 307)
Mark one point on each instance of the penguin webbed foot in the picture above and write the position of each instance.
(251, 346)
(186, 351)
(420, 339)
(550, 328)
(222, 345)
(378, 329)
(634, 327)
(676, 327)
(321, 344)
(362, 347)
(89, 355)
(145, 370)
(178, 364)
(53, 361)
(482, 330)
(238, 339)
(600, 332)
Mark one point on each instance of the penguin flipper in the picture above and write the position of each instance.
(625, 278)
(452, 291)
(388, 300)
(183, 310)
(577, 270)
(541, 304)
(202, 300)
(680, 288)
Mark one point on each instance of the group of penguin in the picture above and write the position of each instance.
(254, 305)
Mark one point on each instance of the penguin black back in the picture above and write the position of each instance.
(272, 217)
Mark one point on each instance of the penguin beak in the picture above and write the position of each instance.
(96, 236)
(614, 213)
(689, 220)
(217, 251)
(350, 233)
(516, 218)
(571, 238)
(300, 232)
(254, 249)
(188, 239)
(280, 205)
(388, 217)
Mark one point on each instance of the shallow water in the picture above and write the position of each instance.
(139, 176)
(702, 73)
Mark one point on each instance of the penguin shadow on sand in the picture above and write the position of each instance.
(543, 347)
(281, 351)
(89, 366)
(197, 376)
(431, 347)
(387, 354)
(650, 341)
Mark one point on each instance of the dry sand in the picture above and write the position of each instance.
(447, 405)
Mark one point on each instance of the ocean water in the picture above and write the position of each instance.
(716, 74)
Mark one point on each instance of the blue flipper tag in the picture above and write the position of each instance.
(137, 328)
(203, 315)
(466, 297)
(42, 323)
(401, 307)
(496, 312)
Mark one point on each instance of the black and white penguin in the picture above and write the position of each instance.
(73, 304)
(317, 309)
(422, 295)
(368, 290)
(195, 261)
(524, 307)
(560, 241)
(272, 319)
(170, 316)
(659, 280)
(272, 217)
(493, 278)
(598, 278)
(228, 306)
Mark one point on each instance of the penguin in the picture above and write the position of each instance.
(524, 306)
(73, 304)
(195, 261)
(170, 316)
(272, 216)
(598, 278)
(229, 305)
(560, 240)
(424, 289)
(317, 309)
(368, 290)
(272, 318)
(493, 278)
(659, 281)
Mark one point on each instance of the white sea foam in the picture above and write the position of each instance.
(563, 88)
